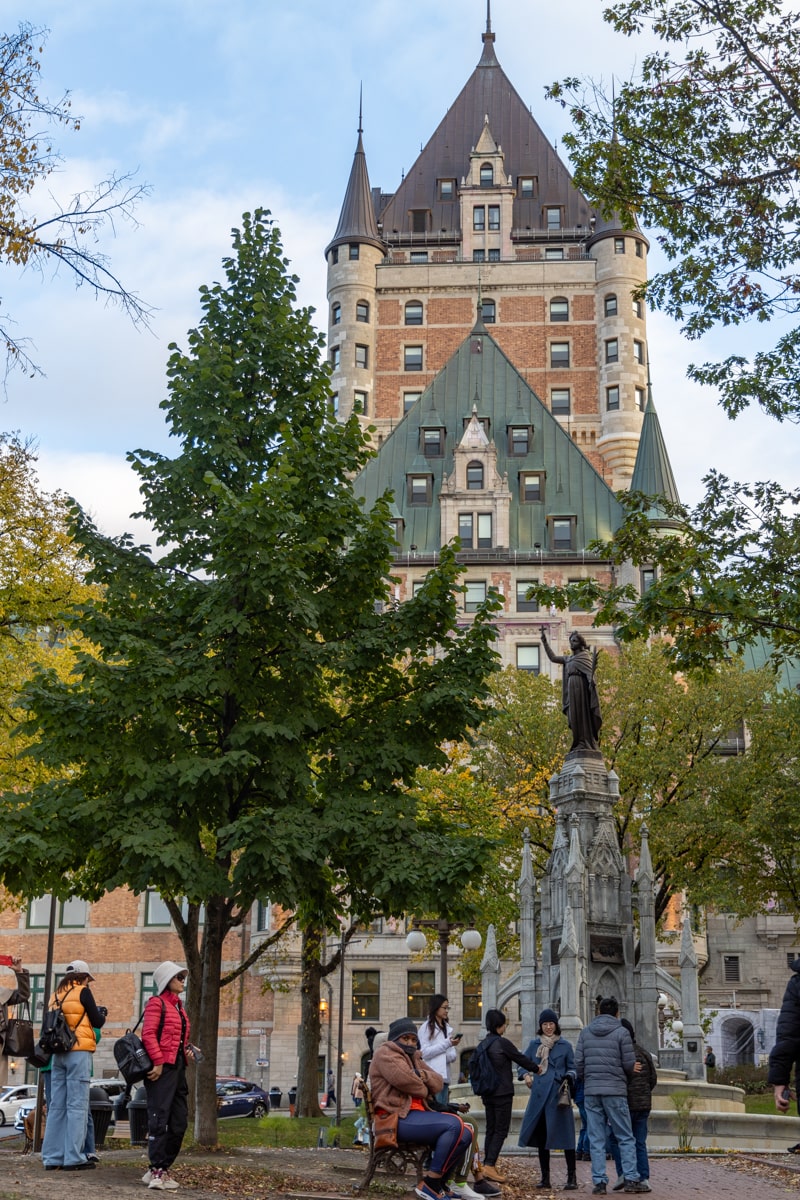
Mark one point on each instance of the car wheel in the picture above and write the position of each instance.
(259, 1110)
(2, 1118)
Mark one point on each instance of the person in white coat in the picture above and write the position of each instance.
(438, 1042)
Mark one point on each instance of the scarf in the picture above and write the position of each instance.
(543, 1052)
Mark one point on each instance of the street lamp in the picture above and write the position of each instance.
(416, 941)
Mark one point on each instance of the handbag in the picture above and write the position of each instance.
(564, 1094)
(19, 1036)
(384, 1131)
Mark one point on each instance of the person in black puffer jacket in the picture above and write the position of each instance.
(640, 1087)
(787, 1045)
(499, 1102)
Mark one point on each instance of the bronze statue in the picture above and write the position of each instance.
(580, 702)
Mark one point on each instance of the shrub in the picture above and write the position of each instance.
(752, 1079)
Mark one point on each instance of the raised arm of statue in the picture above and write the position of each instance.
(556, 658)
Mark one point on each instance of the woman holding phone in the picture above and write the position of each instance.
(18, 995)
(438, 1042)
(165, 1034)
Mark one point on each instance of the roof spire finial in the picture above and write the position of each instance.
(480, 294)
(360, 100)
(488, 16)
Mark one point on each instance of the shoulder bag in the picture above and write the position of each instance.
(384, 1131)
(564, 1094)
(19, 1035)
(132, 1059)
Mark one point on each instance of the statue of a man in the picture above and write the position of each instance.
(580, 702)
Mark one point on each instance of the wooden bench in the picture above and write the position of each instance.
(392, 1160)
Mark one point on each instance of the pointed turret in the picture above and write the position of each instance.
(357, 221)
(652, 473)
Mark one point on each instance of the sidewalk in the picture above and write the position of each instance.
(330, 1175)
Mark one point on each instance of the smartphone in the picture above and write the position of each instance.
(6, 960)
(458, 1036)
(197, 1052)
(786, 1095)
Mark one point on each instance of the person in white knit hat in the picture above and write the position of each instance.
(165, 1034)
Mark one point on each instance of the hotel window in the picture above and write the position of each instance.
(619, 245)
(353, 251)
(523, 603)
(575, 605)
(479, 256)
(641, 400)
(559, 354)
(563, 533)
(336, 355)
(362, 311)
(612, 350)
(465, 530)
(419, 489)
(638, 351)
(155, 909)
(479, 217)
(412, 358)
(519, 440)
(553, 218)
(612, 398)
(334, 256)
(494, 254)
(488, 311)
(409, 400)
(362, 356)
(366, 1003)
(526, 185)
(37, 997)
(398, 525)
(421, 988)
(471, 1004)
(447, 189)
(72, 913)
(610, 306)
(419, 220)
(494, 216)
(474, 476)
(419, 256)
(263, 915)
(413, 312)
(335, 404)
(637, 305)
(560, 401)
(487, 175)
(528, 659)
(531, 489)
(417, 587)
(485, 539)
(475, 595)
(38, 914)
(648, 578)
(639, 249)
(336, 314)
(731, 968)
(360, 402)
(147, 988)
(559, 309)
(554, 253)
(432, 442)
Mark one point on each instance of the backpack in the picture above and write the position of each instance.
(57, 1036)
(482, 1073)
(133, 1060)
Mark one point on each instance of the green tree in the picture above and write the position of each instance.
(703, 146)
(66, 236)
(255, 704)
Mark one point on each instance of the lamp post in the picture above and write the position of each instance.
(416, 941)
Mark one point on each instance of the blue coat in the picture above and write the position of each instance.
(543, 1097)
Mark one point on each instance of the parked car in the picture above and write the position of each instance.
(11, 1098)
(25, 1108)
(239, 1098)
(112, 1088)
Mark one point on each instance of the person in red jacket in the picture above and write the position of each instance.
(165, 1034)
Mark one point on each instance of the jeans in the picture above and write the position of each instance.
(583, 1136)
(498, 1123)
(639, 1128)
(167, 1114)
(68, 1110)
(444, 1132)
(613, 1111)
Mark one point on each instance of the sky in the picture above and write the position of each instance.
(223, 107)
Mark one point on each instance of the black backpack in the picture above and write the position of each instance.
(482, 1073)
(57, 1036)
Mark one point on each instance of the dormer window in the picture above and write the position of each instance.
(553, 217)
(432, 442)
(487, 175)
(519, 440)
(526, 186)
(419, 220)
(419, 489)
(447, 189)
(474, 476)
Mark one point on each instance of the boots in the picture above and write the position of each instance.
(544, 1182)
(572, 1181)
(544, 1164)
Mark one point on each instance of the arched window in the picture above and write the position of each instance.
(414, 312)
(487, 175)
(611, 306)
(488, 312)
(474, 476)
(559, 308)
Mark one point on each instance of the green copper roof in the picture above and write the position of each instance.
(652, 473)
(480, 375)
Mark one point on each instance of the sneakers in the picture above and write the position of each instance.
(148, 1175)
(422, 1190)
(599, 1189)
(636, 1185)
(485, 1187)
(619, 1185)
(463, 1191)
(160, 1181)
(95, 1158)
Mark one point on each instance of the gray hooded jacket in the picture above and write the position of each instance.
(604, 1057)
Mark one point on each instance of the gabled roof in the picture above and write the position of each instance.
(487, 92)
(357, 219)
(652, 472)
(479, 374)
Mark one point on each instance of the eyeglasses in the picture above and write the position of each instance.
(182, 978)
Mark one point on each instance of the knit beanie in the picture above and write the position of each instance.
(399, 1027)
(548, 1014)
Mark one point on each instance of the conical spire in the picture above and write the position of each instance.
(357, 221)
(652, 473)
(488, 58)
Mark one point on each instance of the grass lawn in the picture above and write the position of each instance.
(299, 1132)
(761, 1104)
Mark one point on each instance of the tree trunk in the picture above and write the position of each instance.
(307, 1104)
